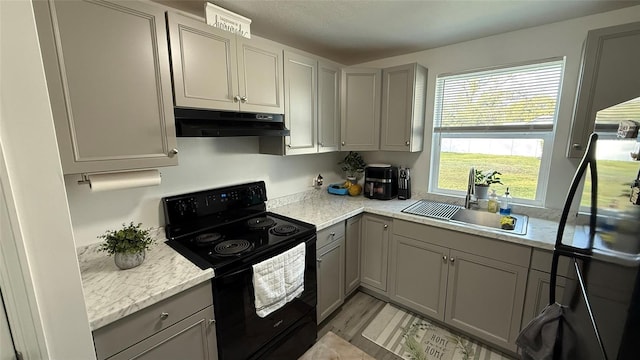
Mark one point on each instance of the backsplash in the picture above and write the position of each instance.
(205, 163)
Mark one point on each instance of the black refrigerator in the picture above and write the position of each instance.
(594, 273)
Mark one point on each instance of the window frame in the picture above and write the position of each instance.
(546, 132)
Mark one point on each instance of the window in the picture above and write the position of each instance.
(499, 119)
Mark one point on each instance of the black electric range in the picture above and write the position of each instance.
(228, 229)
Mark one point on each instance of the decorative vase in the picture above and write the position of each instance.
(127, 260)
(482, 191)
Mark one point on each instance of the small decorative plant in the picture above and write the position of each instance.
(353, 165)
(130, 239)
(486, 178)
(127, 244)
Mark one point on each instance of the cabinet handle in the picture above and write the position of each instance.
(576, 146)
(173, 152)
(321, 144)
(236, 98)
(164, 315)
(289, 146)
(452, 259)
(407, 143)
(386, 226)
(244, 99)
(343, 143)
(444, 257)
(212, 321)
(332, 234)
(318, 261)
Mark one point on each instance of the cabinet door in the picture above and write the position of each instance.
(352, 254)
(108, 75)
(609, 76)
(403, 105)
(300, 102)
(204, 65)
(260, 76)
(328, 107)
(330, 278)
(191, 338)
(485, 297)
(538, 294)
(360, 120)
(418, 275)
(374, 251)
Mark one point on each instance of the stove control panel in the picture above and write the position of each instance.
(183, 208)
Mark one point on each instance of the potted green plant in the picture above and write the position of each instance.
(353, 165)
(483, 179)
(128, 245)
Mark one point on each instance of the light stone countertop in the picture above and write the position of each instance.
(325, 210)
(111, 294)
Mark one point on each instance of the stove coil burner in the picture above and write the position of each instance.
(260, 223)
(231, 247)
(284, 230)
(207, 239)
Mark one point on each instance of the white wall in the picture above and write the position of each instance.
(203, 163)
(34, 179)
(559, 39)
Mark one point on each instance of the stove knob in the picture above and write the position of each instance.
(193, 205)
(181, 207)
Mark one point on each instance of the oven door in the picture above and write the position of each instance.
(241, 333)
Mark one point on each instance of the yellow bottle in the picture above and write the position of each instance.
(492, 205)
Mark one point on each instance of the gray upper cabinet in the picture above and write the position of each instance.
(328, 107)
(360, 120)
(215, 69)
(374, 252)
(300, 86)
(312, 107)
(403, 105)
(107, 69)
(610, 75)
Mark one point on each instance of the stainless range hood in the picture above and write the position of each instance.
(214, 123)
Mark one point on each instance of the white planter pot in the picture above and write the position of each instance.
(126, 261)
(482, 192)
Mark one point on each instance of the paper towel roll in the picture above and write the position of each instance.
(124, 180)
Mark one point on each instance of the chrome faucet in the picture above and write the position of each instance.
(471, 193)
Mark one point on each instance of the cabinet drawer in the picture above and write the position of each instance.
(333, 232)
(136, 327)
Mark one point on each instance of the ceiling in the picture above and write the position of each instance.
(351, 32)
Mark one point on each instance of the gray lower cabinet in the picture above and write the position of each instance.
(179, 327)
(485, 297)
(353, 238)
(419, 275)
(374, 252)
(330, 269)
(108, 76)
(471, 283)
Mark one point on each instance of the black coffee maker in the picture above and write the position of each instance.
(381, 181)
(404, 184)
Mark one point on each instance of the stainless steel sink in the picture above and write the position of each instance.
(490, 220)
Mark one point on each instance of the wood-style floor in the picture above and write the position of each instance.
(351, 319)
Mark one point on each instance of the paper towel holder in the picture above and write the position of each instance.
(86, 177)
